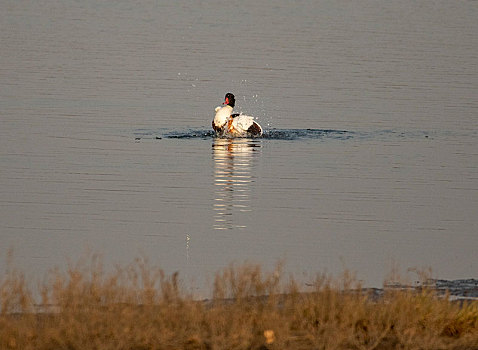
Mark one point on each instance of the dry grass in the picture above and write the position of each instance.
(139, 307)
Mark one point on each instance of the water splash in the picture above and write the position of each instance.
(191, 134)
(292, 134)
(273, 134)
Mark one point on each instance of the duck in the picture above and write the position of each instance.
(226, 123)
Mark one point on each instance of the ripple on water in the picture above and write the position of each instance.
(296, 134)
(273, 134)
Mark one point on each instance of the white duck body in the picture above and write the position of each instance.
(234, 125)
(223, 114)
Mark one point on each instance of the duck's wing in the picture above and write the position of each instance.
(242, 122)
(255, 129)
(246, 124)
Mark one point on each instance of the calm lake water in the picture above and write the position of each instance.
(369, 160)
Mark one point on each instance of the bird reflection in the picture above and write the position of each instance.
(233, 177)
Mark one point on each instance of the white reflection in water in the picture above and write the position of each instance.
(233, 177)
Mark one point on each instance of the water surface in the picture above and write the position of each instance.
(369, 159)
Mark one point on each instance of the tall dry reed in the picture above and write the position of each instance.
(139, 307)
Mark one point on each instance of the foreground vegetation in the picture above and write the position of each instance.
(139, 307)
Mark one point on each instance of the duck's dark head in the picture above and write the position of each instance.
(229, 100)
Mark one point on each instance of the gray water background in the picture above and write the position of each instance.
(105, 112)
